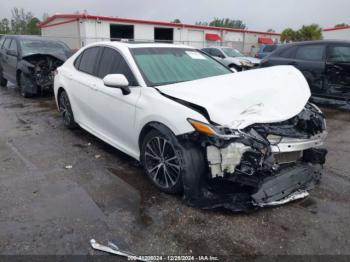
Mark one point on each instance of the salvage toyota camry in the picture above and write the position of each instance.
(238, 141)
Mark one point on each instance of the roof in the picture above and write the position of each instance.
(30, 37)
(336, 28)
(76, 17)
(138, 45)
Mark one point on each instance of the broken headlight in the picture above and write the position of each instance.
(211, 130)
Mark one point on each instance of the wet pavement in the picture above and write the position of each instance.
(60, 188)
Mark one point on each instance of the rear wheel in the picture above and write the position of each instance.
(160, 157)
(66, 110)
(3, 81)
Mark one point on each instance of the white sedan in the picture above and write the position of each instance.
(238, 141)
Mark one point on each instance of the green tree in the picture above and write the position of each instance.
(310, 32)
(177, 21)
(271, 30)
(5, 26)
(228, 23)
(32, 27)
(202, 23)
(341, 25)
(288, 35)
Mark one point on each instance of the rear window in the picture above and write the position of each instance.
(310, 52)
(270, 48)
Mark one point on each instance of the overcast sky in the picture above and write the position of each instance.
(257, 14)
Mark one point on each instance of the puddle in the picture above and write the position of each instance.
(148, 193)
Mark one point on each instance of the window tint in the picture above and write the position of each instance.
(7, 44)
(215, 52)
(77, 61)
(13, 46)
(310, 52)
(269, 48)
(89, 60)
(287, 52)
(339, 54)
(112, 62)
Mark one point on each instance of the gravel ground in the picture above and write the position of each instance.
(47, 207)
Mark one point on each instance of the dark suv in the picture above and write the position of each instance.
(325, 65)
(30, 62)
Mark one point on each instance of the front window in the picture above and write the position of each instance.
(231, 52)
(42, 47)
(161, 66)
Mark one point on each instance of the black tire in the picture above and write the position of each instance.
(237, 68)
(162, 161)
(23, 83)
(3, 81)
(66, 111)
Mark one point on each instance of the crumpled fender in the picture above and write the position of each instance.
(25, 67)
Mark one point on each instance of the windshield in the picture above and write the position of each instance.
(39, 46)
(270, 48)
(161, 66)
(231, 52)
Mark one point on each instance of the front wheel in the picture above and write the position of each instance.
(66, 111)
(160, 157)
(24, 84)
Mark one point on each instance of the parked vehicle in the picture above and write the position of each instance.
(265, 50)
(30, 62)
(238, 141)
(325, 65)
(232, 58)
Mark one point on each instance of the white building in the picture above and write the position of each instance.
(337, 33)
(78, 30)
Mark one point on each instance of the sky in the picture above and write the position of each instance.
(256, 14)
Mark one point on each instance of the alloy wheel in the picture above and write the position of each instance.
(161, 162)
(65, 109)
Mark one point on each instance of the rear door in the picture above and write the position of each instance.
(310, 60)
(338, 70)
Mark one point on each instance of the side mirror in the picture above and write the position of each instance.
(117, 81)
(12, 53)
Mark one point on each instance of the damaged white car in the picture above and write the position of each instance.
(238, 141)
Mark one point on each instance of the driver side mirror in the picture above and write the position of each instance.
(12, 53)
(117, 81)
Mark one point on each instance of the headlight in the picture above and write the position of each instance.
(212, 130)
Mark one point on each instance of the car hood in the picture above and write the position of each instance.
(59, 55)
(252, 59)
(239, 100)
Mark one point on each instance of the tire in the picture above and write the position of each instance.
(3, 81)
(66, 111)
(161, 158)
(237, 68)
(23, 82)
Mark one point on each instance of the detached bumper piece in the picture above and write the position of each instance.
(291, 180)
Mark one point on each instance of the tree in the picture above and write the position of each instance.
(341, 25)
(288, 35)
(32, 27)
(228, 23)
(20, 20)
(310, 32)
(5, 26)
(202, 23)
(177, 21)
(271, 30)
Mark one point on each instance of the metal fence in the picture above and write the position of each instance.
(77, 42)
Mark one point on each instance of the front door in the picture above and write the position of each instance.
(338, 70)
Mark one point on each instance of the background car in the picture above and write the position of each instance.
(195, 126)
(232, 58)
(265, 50)
(325, 65)
(30, 62)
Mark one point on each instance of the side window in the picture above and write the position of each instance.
(310, 52)
(89, 60)
(112, 62)
(339, 54)
(13, 46)
(288, 52)
(7, 44)
(77, 61)
(216, 52)
(2, 40)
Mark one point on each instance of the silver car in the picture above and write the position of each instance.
(232, 58)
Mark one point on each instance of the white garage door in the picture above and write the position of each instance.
(196, 38)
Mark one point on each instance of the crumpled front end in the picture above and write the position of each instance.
(262, 165)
